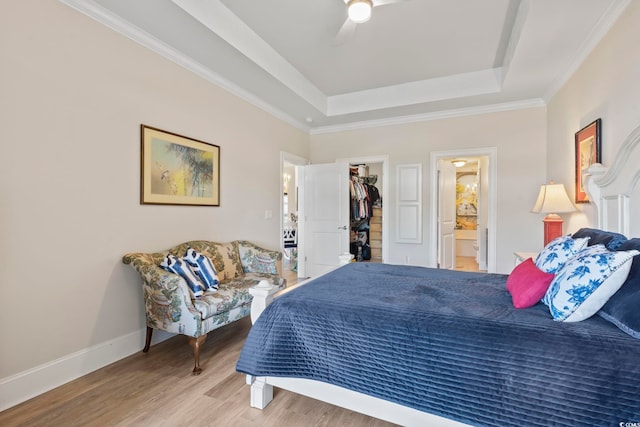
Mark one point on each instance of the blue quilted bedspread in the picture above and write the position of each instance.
(448, 343)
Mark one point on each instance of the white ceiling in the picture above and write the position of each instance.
(414, 60)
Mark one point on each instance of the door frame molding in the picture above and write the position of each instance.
(297, 161)
(384, 159)
(492, 199)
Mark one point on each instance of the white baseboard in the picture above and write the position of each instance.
(35, 381)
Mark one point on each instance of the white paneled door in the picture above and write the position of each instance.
(324, 217)
(446, 215)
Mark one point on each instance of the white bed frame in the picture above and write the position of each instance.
(610, 189)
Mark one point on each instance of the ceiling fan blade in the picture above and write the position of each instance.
(385, 2)
(346, 32)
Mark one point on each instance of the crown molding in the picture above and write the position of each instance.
(487, 81)
(127, 29)
(446, 114)
(603, 26)
(220, 20)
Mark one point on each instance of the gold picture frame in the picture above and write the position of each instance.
(588, 141)
(177, 170)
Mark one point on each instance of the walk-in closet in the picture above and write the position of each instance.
(365, 212)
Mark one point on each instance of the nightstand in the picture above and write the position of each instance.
(521, 256)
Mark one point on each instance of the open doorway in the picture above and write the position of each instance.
(365, 211)
(474, 190)
(324, 206)
(374, 171)
(468, 204)
(290, 165)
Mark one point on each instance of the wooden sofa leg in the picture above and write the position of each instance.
(196, 344)
(147, 342)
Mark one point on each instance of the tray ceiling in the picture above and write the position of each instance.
(413, 60)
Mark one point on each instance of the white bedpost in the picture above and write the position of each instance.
(262, 296)
(263, 293)
(261, 392)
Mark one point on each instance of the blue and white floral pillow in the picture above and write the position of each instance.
(559, 251)
(586, 282)
(263, 264)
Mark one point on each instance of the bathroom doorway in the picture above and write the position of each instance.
(466, 211)
(475, 207)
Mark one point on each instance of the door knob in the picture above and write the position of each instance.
(344, 227)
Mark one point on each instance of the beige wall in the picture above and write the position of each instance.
(519, 137)
(606, 86)
(73, 95)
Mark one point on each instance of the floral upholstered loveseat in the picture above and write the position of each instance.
(171, 306)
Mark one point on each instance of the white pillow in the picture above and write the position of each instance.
(586, 282)
(559, 251)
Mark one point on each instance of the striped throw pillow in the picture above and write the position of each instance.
(178, 266)
(203, 268)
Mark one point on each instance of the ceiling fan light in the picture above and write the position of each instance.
(359, 10)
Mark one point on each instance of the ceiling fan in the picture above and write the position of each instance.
(359, 11)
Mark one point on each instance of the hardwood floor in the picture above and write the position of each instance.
(290, 275)
(466, 263)
(157, 389)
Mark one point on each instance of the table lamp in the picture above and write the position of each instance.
(552, 200)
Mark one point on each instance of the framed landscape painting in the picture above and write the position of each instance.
(587, 153)
(177, 170)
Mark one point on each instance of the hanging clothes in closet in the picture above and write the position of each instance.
(360, 201)
(363, 197)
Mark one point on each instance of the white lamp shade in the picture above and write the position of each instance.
(359, 11)
(553, 198)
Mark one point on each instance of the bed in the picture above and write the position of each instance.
(419, 346)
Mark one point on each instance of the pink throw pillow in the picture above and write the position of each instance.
(527, 284)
